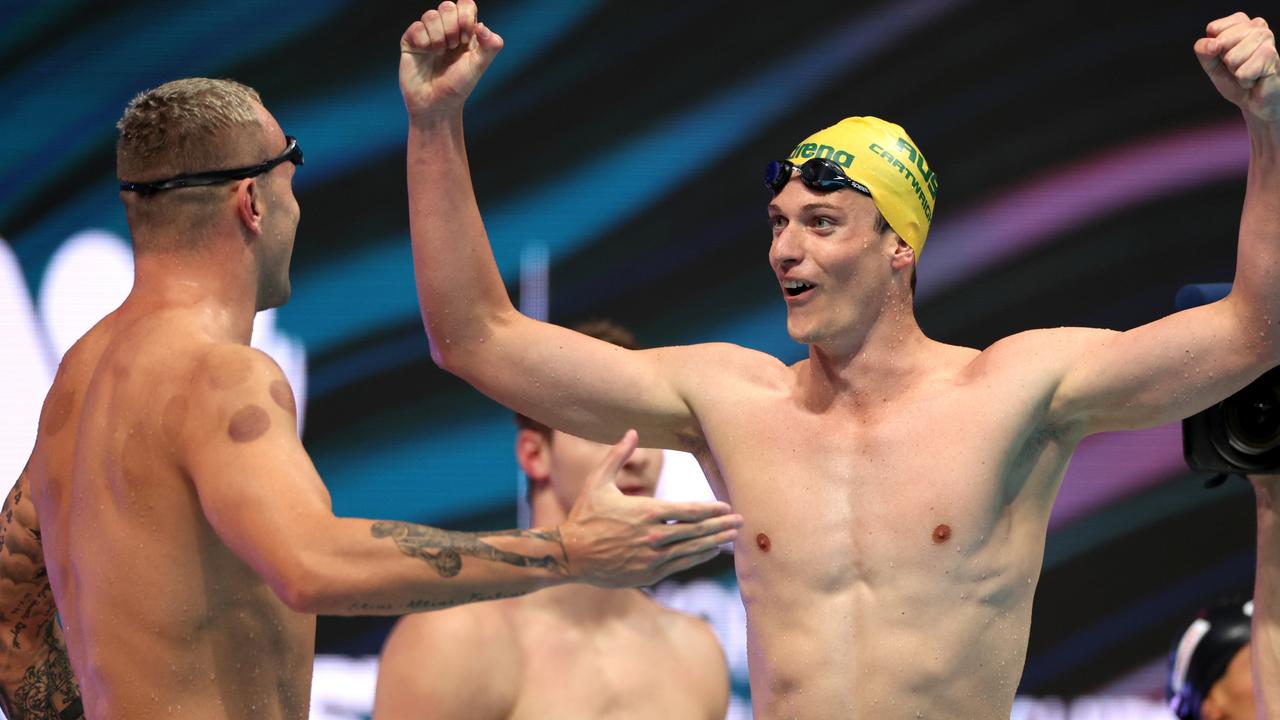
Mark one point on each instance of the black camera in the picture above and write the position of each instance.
(1242, 433)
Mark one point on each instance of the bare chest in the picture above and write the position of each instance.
(574, 672)
(832, 498)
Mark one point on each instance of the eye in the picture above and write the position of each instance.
(777, 222)
(823, 223)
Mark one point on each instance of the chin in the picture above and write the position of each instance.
(802, 334)
(268, 301)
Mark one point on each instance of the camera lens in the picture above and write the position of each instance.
(1252, 420)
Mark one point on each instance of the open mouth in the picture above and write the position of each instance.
(795, 288)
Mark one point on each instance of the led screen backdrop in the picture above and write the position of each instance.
(1087, 170)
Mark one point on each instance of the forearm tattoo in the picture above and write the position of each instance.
(444, 549)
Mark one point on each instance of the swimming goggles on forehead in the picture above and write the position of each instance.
(292, 153)
(819, 174)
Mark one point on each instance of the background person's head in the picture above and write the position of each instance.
(1210, 669)
(197, 125)
(557, 464)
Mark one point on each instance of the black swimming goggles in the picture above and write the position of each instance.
(818, 174)
(292, 153)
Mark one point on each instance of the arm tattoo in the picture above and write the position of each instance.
(48, 690)
(443, 549)
(36, 682)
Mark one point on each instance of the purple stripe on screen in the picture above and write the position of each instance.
(1059, 201)
(1111, 466)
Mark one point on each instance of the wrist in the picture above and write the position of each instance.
(435, 119)
(566, 535)
(1264, 136)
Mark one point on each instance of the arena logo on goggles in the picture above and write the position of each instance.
(917, 160)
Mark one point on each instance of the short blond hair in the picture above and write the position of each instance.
(188, 125)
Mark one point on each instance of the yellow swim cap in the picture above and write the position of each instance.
(883, 157)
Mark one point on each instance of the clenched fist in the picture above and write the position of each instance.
(442, 56)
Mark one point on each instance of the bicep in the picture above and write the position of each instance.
(582, 385)
(256, 485)
(1157, 373)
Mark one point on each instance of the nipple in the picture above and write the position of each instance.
(762, 542)
(941, 534)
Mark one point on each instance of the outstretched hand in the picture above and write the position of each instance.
(1239, 55)
(615, 540)
(442, 56)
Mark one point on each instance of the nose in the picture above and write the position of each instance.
(786, 250)
(642, 459)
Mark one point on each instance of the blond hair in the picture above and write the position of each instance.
(188, 125)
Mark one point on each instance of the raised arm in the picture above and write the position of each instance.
(35, 674)
(1265, 636)
(262, 496)
(1181, 364)
(569, 381)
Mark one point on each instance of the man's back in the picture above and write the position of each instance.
(160, 617)
(565, 653)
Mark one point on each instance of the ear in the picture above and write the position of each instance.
(903, 254)
(249, 205)
(533, 453)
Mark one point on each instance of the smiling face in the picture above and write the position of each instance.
(836, 270)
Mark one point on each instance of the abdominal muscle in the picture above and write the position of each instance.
(884, 648)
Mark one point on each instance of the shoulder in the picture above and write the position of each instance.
(462, 662)
(717, 362)
(222, 376)
(692, 640)
(225, 366)
(1041, 350)
(469, 632)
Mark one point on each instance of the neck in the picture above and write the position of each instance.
(207, 282)
(872, 363)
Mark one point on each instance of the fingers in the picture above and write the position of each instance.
(689, 511)
(695, 552)
(449, 20)
(1206, 53)
(415, 39)
(466, 21)
(681, 532)
(1221, 25)
(1256, 68)
(435, 29)
(613, 462)
(490, 41)
(1239, 52)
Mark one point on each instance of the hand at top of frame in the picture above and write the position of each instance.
(615, 540)
(1239, 55)
(442, 56)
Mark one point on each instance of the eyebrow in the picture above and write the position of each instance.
(810, 207)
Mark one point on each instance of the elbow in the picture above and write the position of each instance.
(447, 356)
(459, 350)
(304, 588)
